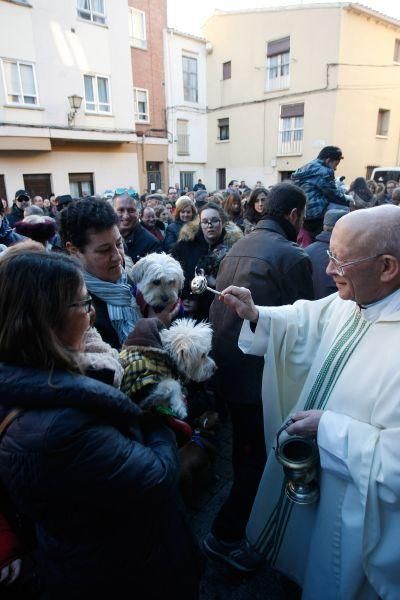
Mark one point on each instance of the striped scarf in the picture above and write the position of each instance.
(121, 305)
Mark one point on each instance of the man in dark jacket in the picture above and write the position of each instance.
(277, 271)
(8, 237)
(317, 180)
(22, 200)
(323, 283)
(138, 241)
(199, 186)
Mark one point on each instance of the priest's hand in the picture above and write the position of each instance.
(240, 300)
(305, 423)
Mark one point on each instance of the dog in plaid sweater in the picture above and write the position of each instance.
(158, 362)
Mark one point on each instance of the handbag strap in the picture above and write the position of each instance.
(8, 419)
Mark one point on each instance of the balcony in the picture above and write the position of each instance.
(183, 144)
(290, 142)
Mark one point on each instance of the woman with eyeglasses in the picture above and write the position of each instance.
(203, 246)
(255, 208)
(80, 462)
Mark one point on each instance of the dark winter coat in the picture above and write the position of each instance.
(140, 242)
(8, 237)
(16, 214)
(193, 251)
(277, 272)
(98, 486)
(317, 180)
(171, 234)
(103, 323)
(323, 283)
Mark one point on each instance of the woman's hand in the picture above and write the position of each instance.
(305, 423)
(240, 300)
(11, 572)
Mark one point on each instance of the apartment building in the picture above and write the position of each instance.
(185, 69)
(147, 22)
(284, 82)
(67, 118)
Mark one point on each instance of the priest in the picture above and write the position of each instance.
(332, 366)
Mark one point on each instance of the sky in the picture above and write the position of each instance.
(188, 15)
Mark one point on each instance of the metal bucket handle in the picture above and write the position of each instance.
(282, 429)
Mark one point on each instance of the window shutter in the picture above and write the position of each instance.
(292, 110)
(278, 47)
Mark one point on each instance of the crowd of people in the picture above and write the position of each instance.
(308, 275)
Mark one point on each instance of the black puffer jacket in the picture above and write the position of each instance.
(99, 489)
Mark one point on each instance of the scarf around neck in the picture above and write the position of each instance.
(121, 305)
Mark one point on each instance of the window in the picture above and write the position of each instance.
(383, 122)
(369, 171)
(223, 129)
(183, 137)
(3, 191)
(137, 28)
(38, 185)
(186, 179)
(92, 10)
(278, 59)
(396, 56)
(190, 90)
(81, 185)
(141, 98)
(291, 125)
(97, 93)
(221, 179)
(20, 82)
(226, 70)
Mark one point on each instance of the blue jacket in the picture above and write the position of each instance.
(317, 180)
(8, 237)
(98, 486)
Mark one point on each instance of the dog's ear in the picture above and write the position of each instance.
(139, 269)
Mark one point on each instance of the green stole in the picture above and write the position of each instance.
(346, 341)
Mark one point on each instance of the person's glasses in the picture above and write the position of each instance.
(339, 266)
(86, 303)
(211, 223)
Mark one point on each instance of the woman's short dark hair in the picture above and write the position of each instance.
(219, 209)
(36, 289)
(250, 212)
(83, 217)
(283, 198)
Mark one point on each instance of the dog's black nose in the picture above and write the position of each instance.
(164, 298)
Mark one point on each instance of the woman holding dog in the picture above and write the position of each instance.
(79, 460)
(89, 232)
(203, 246)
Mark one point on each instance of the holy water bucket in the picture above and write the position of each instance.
(299, 458)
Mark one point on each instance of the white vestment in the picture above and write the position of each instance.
(331, 355)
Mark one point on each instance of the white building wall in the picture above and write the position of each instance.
(176, 45)
(63, 48)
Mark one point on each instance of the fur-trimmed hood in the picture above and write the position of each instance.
(231, 233)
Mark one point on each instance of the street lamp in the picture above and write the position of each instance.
(75, 102)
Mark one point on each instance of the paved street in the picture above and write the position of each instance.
(219, 581)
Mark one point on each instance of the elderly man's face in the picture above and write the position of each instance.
(361, 281)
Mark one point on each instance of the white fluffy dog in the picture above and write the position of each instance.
(188, 346)
(159, 278)
(156, 372)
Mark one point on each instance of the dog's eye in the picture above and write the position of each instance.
(203, 355)
(172, 282)
(156, 282)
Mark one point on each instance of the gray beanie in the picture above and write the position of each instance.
(332, 216)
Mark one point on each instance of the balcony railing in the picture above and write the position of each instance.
(290, 142)
(183, 144)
